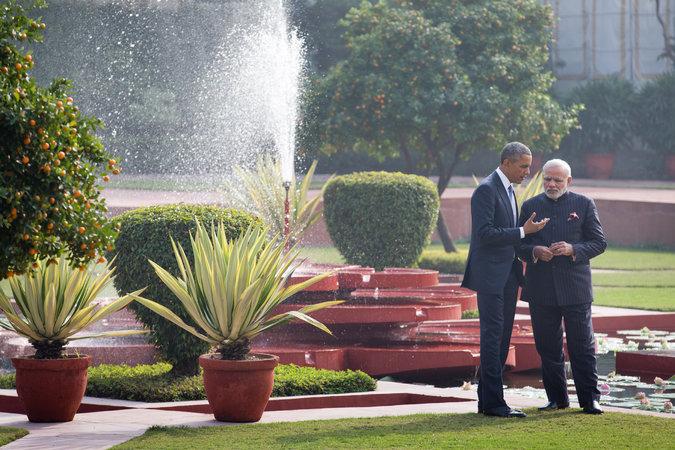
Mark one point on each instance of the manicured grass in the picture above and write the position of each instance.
(9, 434)
(647, 278)
(323, 255)
(652, 298)
(634, 259)
(560, 430)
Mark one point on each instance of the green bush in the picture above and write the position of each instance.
(51, 161)
(443, 261)
(606, 121)
(380, 219)
(144, 234)
(655, 113)
(155, 383)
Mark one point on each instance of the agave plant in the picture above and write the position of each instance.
(260, 191)
(55, 301)
(232, 288)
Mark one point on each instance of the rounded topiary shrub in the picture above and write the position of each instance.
(380, 219)
(144, 234)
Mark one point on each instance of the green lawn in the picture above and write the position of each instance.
(653, 298)
(9, 434)
(637, 278)
(634, 259)
(560, 430)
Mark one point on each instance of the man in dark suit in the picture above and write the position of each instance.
(493, 271)
(558, 286)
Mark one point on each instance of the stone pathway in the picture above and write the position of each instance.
(105, 429)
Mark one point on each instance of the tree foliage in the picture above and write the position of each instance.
(50, 159)
(436, 80)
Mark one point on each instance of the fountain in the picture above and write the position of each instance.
(185, 87)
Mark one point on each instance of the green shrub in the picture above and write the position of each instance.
(144, 234)
(470, 314)
(291, 380)
(443, 261)
(606, 121)
(654, 113)
(51, 161)
(155, 383)
(380, 219)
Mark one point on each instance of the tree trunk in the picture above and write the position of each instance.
(445, 173)
(444, 234)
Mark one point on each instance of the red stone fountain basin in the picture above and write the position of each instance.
(389, 360)
(646, 364)
(371, 314)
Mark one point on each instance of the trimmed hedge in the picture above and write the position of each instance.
(144, 234)
(443, 261)
(654, 113)
(380, 219)
(154, 383)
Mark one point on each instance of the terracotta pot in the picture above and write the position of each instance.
(670, 166)
(599, 165)
(238, 390)
(51, 390)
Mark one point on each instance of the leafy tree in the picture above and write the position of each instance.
(436, 80)
(50, 159)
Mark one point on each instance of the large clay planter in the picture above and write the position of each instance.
(670, 166)
(238, 390)
(599, 166)
(51, 390)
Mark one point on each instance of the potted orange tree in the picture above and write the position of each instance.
(605, 124)
(51, 162)
(54, 303)
(230, 291)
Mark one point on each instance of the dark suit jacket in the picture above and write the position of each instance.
(562, 281)
(493, 239)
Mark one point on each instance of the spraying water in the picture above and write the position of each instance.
(183, 86)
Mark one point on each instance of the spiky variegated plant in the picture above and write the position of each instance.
(56, 301)
(232, 287)
(260, 191)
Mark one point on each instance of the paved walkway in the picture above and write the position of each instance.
(101, 430)
(609, 190)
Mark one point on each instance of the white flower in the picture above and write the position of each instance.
(640, 396)
(659, 381)
(611, 375)
(645, 331)
(466, 386)
(668, 405)
(644, 401)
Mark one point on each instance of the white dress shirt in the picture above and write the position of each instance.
(512, 198)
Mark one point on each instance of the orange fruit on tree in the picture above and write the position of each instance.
(25, 159)
(81, 230)
(32, 122)
(18, 66)
(60, 155)
(26, 140)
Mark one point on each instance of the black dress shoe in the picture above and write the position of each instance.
(505, 413)
(552, 406)
(592, 408)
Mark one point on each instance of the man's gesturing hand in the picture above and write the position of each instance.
(532, 227)
(543, 253)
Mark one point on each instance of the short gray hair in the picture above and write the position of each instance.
(513, 151)
(558, 163)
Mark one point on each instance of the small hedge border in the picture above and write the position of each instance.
(153, 383)
(443, 261)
